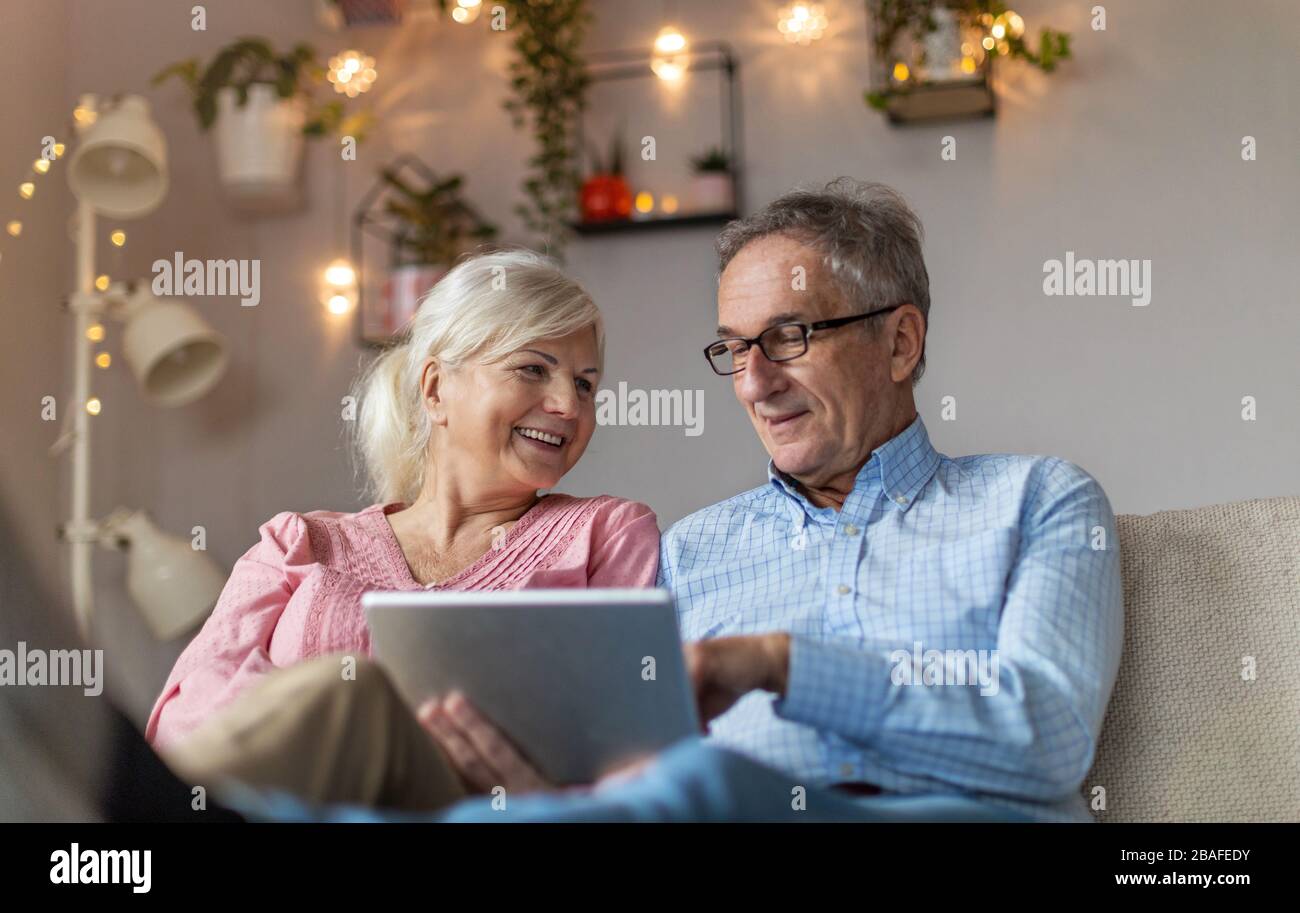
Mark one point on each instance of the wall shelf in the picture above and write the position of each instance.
(634, 64)
(617, 226)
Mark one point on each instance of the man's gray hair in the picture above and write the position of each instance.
(868, 236)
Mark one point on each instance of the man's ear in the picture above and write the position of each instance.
(908, 337)
(431, 383)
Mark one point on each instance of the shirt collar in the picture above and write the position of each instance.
(898, 468)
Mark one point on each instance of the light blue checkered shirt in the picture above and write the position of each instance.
(1014, 555)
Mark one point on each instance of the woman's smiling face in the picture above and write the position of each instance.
(520, 423)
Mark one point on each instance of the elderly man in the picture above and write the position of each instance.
(816, 598)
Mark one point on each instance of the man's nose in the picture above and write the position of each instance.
(761, 378)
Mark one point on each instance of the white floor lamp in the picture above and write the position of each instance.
(119, 169)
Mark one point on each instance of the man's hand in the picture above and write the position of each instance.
(479, 751)
(725, 669)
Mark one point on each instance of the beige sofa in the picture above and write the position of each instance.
(1207, 593)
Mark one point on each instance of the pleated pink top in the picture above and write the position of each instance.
(296, 594)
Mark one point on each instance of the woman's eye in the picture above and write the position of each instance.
(535, 370)
(585, 385)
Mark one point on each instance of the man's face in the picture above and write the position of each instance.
(815, 414)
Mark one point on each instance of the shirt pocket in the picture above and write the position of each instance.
(950, 593)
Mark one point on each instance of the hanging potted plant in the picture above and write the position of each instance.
(260, 106)
(605, 194)
(432, 227)
(713, 187)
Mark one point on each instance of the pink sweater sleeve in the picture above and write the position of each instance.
(624, 546)
(232, 649)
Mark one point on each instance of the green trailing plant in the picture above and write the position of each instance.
(894, 19)
(712, 160)
(250, 61)
(548, 82)
(436, 224)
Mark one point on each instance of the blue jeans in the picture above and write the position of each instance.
(690, 782)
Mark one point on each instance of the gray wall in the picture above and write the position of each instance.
(1132, 150)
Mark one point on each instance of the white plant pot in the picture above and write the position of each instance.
(712, 191)
(259, 148)
(404, 288)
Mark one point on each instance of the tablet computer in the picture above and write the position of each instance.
(582, 681)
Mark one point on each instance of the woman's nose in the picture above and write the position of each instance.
(563, 401)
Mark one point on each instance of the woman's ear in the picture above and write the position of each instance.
(431, 377)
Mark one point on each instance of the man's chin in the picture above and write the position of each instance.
(793, 460)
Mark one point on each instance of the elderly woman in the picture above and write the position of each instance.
(489, 398)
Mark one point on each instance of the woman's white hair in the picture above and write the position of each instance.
(486, 307)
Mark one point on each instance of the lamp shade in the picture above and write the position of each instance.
(173, 353)
(120, 164)
(173, 585)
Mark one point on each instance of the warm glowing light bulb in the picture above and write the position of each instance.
(466, 11)
(58, 150)
(40, 166)
(14, 228)
(668, 204)
(670, 59)
(26, 189)
(118, 237)
(645, 201)
(802, 23)
(93, 405)
(968, 65)
(351, 73)
(901, 72)
(339, 304)
(989, 43)
(1015, 24)
(95, 332)
(101, 283)
(670, 40)
(103, 359)
(83, 115)
(999, 30)
(340, 272)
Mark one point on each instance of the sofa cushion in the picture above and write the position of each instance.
(1186, 736)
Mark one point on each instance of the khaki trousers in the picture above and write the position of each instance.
(307, 730)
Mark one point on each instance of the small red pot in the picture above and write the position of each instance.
(605, 197)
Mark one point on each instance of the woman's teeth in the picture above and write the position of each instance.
(553, 439)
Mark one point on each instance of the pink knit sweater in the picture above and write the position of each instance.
(296, 594)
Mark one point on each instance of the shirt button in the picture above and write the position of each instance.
(850, 530)
(846, 770)
(899, 499)
(843, 589)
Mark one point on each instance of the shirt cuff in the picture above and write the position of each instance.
(835, 688)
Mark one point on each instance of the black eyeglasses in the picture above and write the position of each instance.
(780, 342)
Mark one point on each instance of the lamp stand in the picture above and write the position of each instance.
(81, 530)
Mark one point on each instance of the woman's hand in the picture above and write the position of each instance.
(478, 750)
